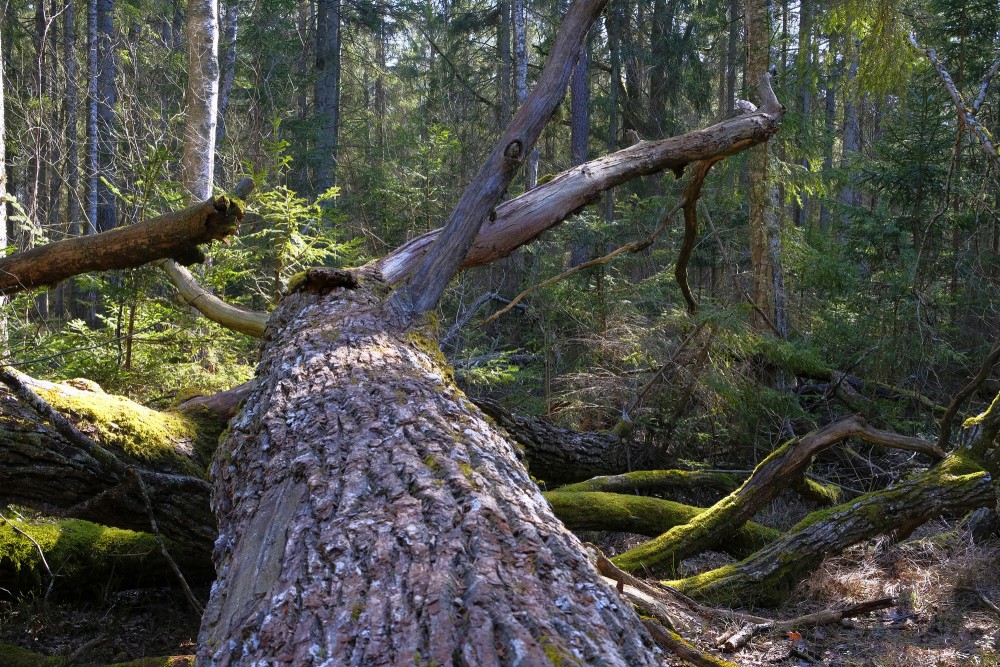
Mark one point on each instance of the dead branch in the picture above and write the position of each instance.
(428, 282)
(776, 472)
(172, 235)
(521, 220)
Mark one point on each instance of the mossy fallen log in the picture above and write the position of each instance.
(659, 481)
(780, 470)
(43, 468)
(87, 558)
(15, 656)
(645, 516)
(768, 576)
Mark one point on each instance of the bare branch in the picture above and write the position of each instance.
(964, 116)
(437, 268)
(522, 220)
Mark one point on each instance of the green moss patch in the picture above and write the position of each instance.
(181, 442)
(82, 555)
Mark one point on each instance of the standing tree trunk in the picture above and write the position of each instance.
(3, 197)
(107, 97)
(757, 22)
(72, 118)
(503, 70)
(580, 134)
(198, 161)
(369, 514)
(327, 91)
(228, 66)
(521, 81)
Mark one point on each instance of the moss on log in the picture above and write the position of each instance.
(15, 656)
(768, 576)
(87, 557)
(780, 470)
(645, 516)
(657, 481)
(169, 441)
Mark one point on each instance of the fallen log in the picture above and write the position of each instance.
(779, 470)
(645, 516)
(953, 486)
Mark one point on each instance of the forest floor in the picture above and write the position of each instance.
(940, 619)
(942, 583)
(942, 588)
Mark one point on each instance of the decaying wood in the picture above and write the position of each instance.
(777, 472)
(646, 516)
(742, 636)
(250, 322)
(368, 513)
(951, 487)
(436, 268)
(561, 456)
(47, 465)
(674, 643)
(173, 235)
(523, 219)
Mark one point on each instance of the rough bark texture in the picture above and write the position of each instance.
(327, 92)
(560, 455)
(369, 514)
(766, 577)
(174, 235)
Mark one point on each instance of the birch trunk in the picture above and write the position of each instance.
(198, 160)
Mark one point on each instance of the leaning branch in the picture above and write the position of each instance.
(965, 118)
(250, 322)
(521, 220)
(436, 269)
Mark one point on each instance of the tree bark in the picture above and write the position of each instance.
(757, 21)
(198, 160)
(521, 81)
(327, 92)
(369, 514)
(173, 235)
(3, 197)
(42, 468)
(107, 97)
(230, 27)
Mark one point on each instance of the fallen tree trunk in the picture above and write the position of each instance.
(172, 235)
(46, 470)
(645, 516)
(559, 455)
(778, 471)
(660, 481)
(87, 559)
(768, 576)
(368, 513)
